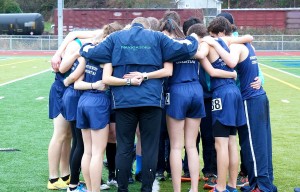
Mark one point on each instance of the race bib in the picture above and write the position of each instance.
(167, 99)
(216, 104)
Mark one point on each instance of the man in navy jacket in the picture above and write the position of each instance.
(137, 49)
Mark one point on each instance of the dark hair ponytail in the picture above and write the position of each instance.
(171, 26)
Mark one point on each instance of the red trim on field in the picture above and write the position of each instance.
(277, 53)
(27, 53)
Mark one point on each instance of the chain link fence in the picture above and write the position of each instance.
(49, 42)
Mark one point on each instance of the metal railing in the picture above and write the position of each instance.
(49, 42)
(277, 42)
(25, 43)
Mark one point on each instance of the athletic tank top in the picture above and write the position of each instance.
(184, 71)
(247, 71)
(93, 73)
(220, 64)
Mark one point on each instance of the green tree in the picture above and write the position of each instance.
(9, 6)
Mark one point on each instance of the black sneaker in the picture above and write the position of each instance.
(138, 177)
(160, 176)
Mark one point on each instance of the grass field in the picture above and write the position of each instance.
(24, 123)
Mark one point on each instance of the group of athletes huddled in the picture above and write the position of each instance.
(169, 86)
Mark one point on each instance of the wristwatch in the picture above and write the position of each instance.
(128, 82)
(145, 76)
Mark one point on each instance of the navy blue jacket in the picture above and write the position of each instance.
(143, 50)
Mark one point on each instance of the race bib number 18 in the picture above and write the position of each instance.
(216, 104)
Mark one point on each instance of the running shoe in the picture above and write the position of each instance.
(211, 182)
(59, 184)
(215, 190)
(68, 181)
(112, 182)
(242, 180)
(230, 189)
(104, 186)
(80, 188)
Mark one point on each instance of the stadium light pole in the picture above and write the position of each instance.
(60, 18)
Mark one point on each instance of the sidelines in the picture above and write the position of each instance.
(19, 79)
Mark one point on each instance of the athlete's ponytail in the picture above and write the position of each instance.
(171, 27)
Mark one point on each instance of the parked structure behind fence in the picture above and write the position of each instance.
(49, 42)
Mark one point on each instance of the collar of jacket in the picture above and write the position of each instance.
(137, 25)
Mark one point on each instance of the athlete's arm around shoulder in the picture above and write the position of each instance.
(203, 50)
(69, 56)
(231, 59)
(56, 59)
(216, 72)
(178, 50)
(238, 40)
(76, 73)
(102, 52)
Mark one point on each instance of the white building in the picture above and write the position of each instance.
(210, 7)
(186, 4)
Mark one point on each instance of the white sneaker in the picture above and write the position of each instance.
(155, 186)
(112, 182)
(104, 186)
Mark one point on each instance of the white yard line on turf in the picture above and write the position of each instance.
(19, 79)
(297, 76)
